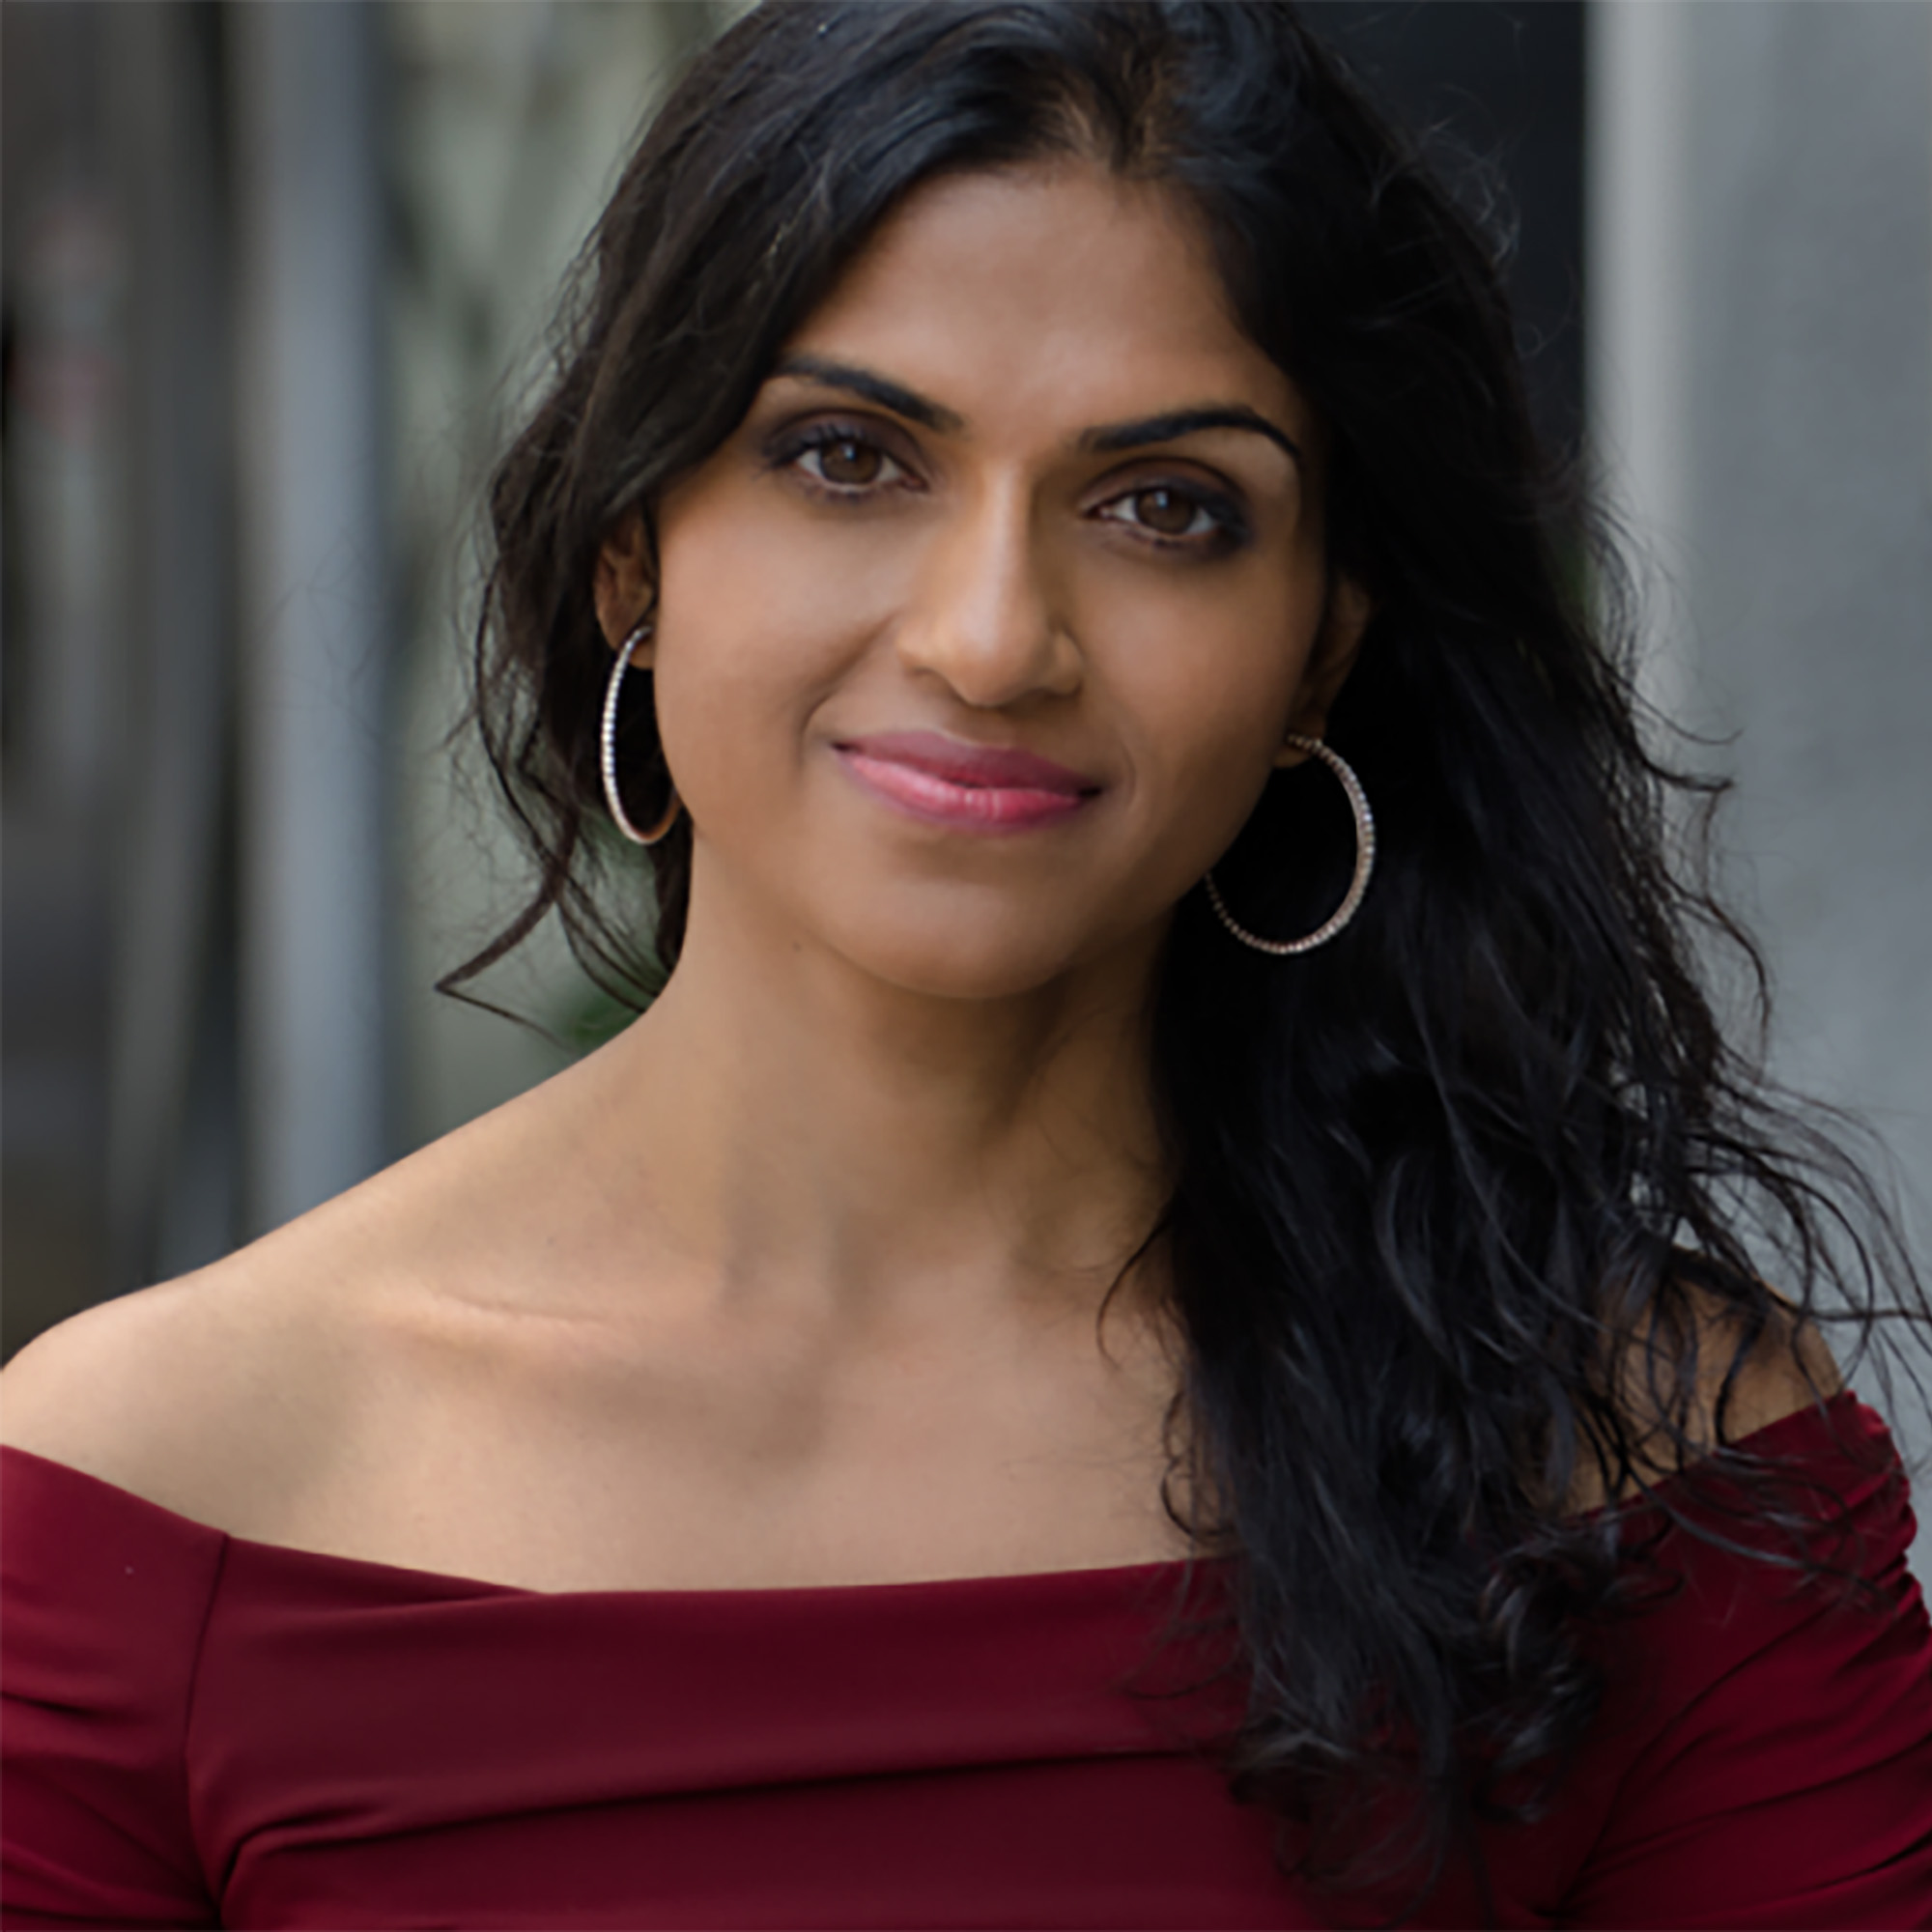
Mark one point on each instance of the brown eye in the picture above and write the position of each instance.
(1165, 512)
(1197, 521)
(840, 463)
(850, 462)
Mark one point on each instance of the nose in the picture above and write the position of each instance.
(985, 617)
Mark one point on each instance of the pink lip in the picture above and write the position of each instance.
(972, 788)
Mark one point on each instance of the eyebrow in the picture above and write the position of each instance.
(1108, 438)
(857, 381)
(1185, 422)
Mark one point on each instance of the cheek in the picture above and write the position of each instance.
(760, 616)
(1208, 780)
(726, 719)
(735, 665)
(1210, 716)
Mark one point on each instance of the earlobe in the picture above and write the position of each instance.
(621, 585)
(1343, 625)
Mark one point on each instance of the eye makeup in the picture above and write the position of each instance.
(830, 439)
(1229, 527)
(852, 460)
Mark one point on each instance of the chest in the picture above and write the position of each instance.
(730, 1459)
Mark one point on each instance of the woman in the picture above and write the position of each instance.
(1155, 1326)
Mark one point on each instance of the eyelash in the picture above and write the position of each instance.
(821, 436)
(1229, 530)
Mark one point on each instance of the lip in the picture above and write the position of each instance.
(969, 788)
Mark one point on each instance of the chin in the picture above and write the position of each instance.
(951, 971)
(981, 959)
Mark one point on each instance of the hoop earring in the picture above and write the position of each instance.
(607, 745)
(1358, 885)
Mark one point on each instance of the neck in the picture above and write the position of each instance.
(795, 1122)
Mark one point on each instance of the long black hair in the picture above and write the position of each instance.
(1443, 1192)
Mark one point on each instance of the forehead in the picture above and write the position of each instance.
(1056, 294)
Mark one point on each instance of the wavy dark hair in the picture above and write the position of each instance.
(1445, 1192)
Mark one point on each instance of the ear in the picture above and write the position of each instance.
(621, 585)
(1330, 663)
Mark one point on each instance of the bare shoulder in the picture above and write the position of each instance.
(1738, 1384)
(226, 1394)
(220, 1394)
(1745, 1382)
(164, 1391)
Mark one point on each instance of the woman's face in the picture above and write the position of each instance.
(975, 642)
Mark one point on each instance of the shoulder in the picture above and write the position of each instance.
(1742, 1382)
(1699, 1373)
(201, 1395)
(225, 1394)
(1766, 1736)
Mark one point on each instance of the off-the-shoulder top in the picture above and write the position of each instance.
(204, 1730)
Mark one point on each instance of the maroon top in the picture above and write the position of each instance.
(202, 1730)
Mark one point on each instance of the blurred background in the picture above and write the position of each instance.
(276, 280)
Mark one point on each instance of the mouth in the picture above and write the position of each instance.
(968, 787)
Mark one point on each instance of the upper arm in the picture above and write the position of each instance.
(103, 1609)
(1769, 1813)
(1788, 1779)
(105, 1602)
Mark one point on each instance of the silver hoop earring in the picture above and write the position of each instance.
(1358, 885)
(607, 745)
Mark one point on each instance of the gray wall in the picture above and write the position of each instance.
(1761, 389)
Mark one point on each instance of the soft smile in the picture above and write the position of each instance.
(967, 787)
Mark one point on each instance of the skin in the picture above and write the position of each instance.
(990, 583)
(799, 1281)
